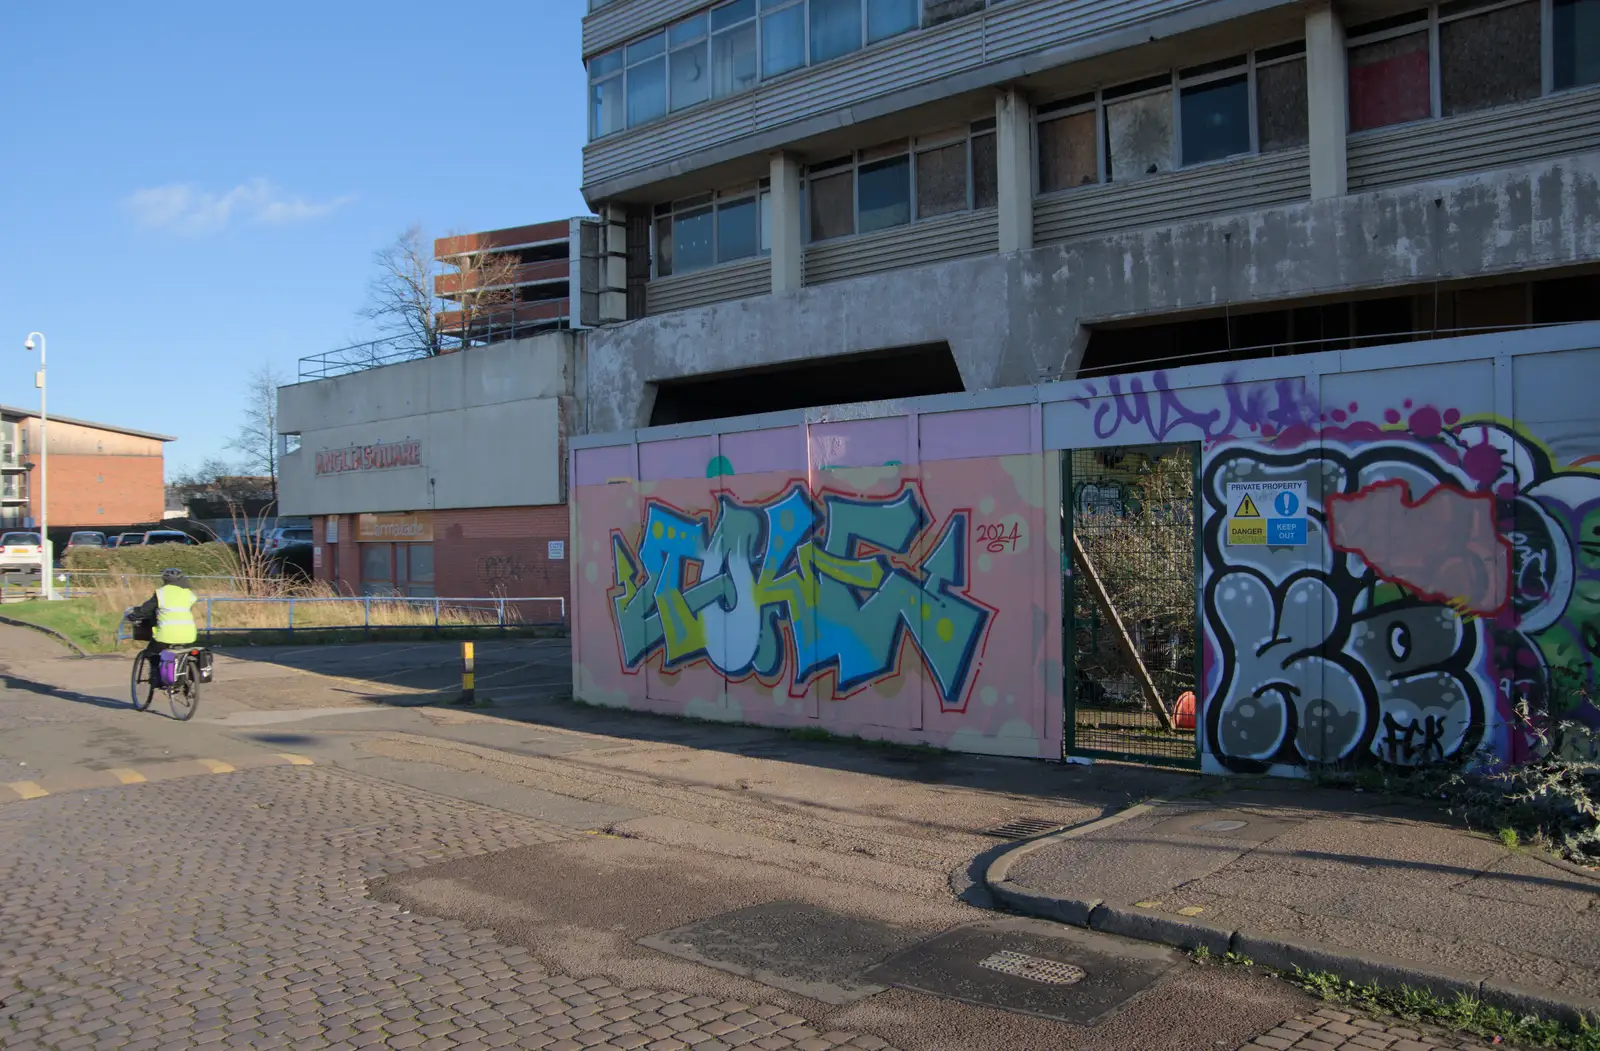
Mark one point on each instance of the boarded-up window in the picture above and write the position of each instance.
(942, 180)
(1068, 153)
(1575, 42)
(1139, 136)
(1281, 106)
(985, 172)
(936, 11)
(1389, 82)
(833, 205)
(1489, 59)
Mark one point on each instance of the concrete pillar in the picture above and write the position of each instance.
(788, 239)
(614, 263)
(1014, 168)
(1326, 101)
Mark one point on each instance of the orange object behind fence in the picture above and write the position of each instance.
(1184, 716)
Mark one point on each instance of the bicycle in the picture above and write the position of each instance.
(183, 693)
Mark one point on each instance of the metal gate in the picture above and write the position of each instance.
(1131, 528)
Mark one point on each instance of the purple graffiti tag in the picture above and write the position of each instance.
(1158, 408)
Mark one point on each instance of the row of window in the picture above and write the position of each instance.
(1469, 55)
(734, 46)
(888, 186)
(405, 570)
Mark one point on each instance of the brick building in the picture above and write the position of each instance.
(101, 477)
(438, 477)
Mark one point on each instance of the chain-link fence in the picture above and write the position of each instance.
(1133, 630)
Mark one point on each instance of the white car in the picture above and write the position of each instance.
(19, 550)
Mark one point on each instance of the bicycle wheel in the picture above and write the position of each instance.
(142, 690)
(185, 695)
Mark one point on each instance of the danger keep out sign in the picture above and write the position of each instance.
(1269, 513)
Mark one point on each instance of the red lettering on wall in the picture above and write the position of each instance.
(379, 457)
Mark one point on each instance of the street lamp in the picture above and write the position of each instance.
(46, 563)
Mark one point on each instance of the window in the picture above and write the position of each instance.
(605, 94)
(1391, 80)
(884, 190)
(1576, 43)
(377, 571)
(887, 18)
(835, 28)
(783, 36)
(1282, 120)
(833, 202)
(688, 64)
(733, 47)
(1214, 110)
(942, 179)
(1489, 58)
(413, 570)
(699, 232)
(1069, 147)
(647, 79)
(985, 166)
(1138, 126)
(935, 12)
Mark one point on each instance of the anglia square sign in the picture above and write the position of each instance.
(382, 456)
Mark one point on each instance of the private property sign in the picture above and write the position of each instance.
(1268, 513)
(379, 457)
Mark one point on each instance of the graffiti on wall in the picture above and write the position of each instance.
(792, 588)
(1453, 575)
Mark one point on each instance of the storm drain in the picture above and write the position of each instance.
(1033, 968)
(1024, 828)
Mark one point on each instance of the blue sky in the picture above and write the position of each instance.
(192, 190)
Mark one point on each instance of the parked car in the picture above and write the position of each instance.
(286, 536)
(86, 538)
(167, 536)
(19, 551)
(129, 539)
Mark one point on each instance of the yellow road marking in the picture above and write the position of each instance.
(27, 789)
(1191, 910)
(216, 766)
(1147, 905)
(128, 777)
(295, 760)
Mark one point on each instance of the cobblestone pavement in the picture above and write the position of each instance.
(1331, 1030)
(231, 913)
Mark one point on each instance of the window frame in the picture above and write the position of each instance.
(760, 192)
(758, 21)
(1215, 72)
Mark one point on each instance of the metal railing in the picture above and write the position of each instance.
(394, 350)
(368, 613)
(359, 357)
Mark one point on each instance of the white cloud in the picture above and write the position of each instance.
(186, 209)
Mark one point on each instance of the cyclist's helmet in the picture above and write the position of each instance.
(171, 576)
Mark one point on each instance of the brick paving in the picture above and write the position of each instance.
(232, 913)
(1332, 1030)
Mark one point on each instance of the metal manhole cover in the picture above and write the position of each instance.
(1033, 968)
(1024, 828)
(1220, 826)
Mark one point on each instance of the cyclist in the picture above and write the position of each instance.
(172, 610)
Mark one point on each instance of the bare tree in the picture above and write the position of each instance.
(257, 440)
(420, 305)
(400, 298)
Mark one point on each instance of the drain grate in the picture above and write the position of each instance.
(1024, 828)
(1033, 968)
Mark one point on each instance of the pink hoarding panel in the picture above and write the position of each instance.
(860, 443)
(1003, 431)
(677, 458)
(598, 466)
(752, 452)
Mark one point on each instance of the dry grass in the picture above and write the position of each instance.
(315, 606)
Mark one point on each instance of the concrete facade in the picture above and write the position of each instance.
(481, 428)
(1023, 317)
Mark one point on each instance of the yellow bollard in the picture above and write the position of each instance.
(468, 679)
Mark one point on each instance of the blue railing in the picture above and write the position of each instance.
(502, 614)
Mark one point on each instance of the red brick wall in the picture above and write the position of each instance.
(92, 491)
(477, 553)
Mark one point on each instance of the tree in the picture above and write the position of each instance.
(405, 298)
(257, 440)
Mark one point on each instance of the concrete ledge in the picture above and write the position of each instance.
(1066, 910)
(1524, 1000)
(1154, 927)
(1285, 954)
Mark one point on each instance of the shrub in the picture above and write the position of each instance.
(204, 560)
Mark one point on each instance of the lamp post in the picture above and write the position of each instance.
(46, 563)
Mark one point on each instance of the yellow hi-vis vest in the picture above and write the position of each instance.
(174, 615)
